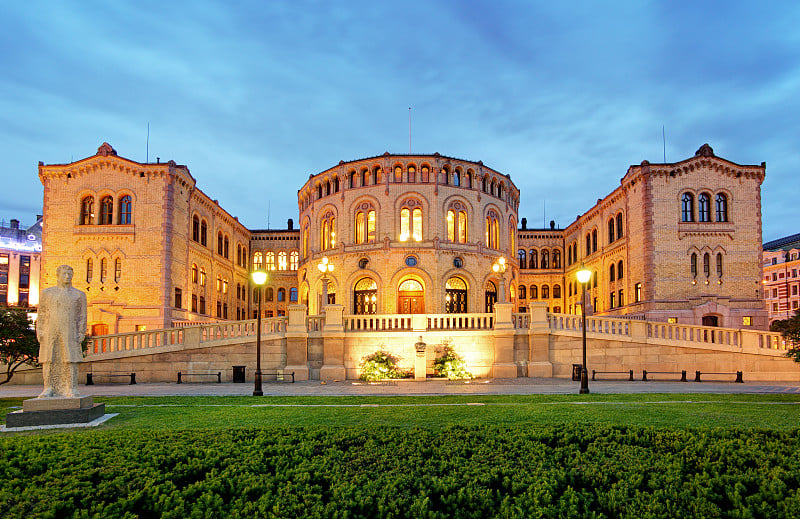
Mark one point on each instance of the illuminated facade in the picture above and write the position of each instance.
(782, 277)
(406, 234)
(20, 257)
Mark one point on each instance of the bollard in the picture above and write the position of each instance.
(133, 379)
(739, 378)
(89, 381)
(644, 375)
(697, 376)
(631, 378)
(179, 378)
(683, 375)
(593, 372)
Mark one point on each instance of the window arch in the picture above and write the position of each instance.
(492, 230)
(203, 233)
(293, 294)
(719, 264)
(87, 210)
(89, 270)
(106, 210)
(282, 264)
(594, 240)
(125, 210)
(365, 297)
(523, 264)
(545, 263)
(687, 207)
(533, 261)
(305, 241)
(219, 243)
(704, 207)
(588, 243)
(556, 259)
(270, 261)
(328, 231)
(269, 294)
(722, 207)
(611, 276)
(196, 229)
(202, 280)
(556, 291)
(693, 264)
(411, 221)
(117, 270)
(545, 292)
(534, 292)
(457, 223)
(194, 273)
(365, 224)
(412, 174)
(226, 247)
(258, 260)
(707, 264)
(611, 230)
(619, 226)
(281, 294)
(521, 292)
(457, 177)
(455, 296)
(619, 270)
(294, 260)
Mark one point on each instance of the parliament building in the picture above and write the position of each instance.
(405, 234)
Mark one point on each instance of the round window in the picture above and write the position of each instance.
(411, 261)
(458, 263)
(362, 263)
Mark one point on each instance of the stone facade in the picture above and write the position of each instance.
(781, 277)
(674, 242)
(20, 259)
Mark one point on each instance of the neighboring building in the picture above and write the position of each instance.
(20, 259)
(675, 242)
(782, 277)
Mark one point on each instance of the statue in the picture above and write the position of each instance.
(61, 328)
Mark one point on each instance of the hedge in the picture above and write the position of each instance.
(477, 472)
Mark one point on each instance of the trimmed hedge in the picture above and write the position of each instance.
(478, 472)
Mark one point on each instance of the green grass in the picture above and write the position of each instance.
(771, 411)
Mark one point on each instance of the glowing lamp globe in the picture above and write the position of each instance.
(259, 277)
(584, 275)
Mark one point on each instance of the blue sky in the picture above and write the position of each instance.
(255, 96)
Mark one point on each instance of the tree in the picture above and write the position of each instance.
(18, 343)
(790, 329)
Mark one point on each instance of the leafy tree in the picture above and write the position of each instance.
(790, 329)
(18, 343)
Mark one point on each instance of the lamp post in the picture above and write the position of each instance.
(259, 278)
(584, 275)
(499, 267)
(325, 266)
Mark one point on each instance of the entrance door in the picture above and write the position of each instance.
(455, 296)
(411, 297)
(710, 320)
(99, 329)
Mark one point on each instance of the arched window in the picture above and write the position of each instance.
(594, 240)
(545, 263)
(619, 270)
(364, 177)
(281, 294)
(457, 223)
(239, 254)
(545, 292)
(588, 244)
(532, 262)
(294, 260)
(365, 297)
(483, 184)
(203, 233)
(521, 292)
(103, 270)
(258, 261)
(425, 174)
(398, 174)
(117, 270)
(594, 279)
(455, 296)
(462, 227)
(556, 291)
(270, 265)
(492, 231)
(125, 210)
(523, 264)
(704, 207)
(687, 207)
(352, 177)
(196, 229)
(328, 232)
(611, 230)
(556, 259)
(534, 292)
(194, 273)
(694, 265)
(706, 264)
(569, 289)
(412, 174)
(611, 276)
(456, 178)
(202, 282)
(282, 265)
(722, 208)
(269, 294)
(416, 224)
(360, 228)
(226, 248)
(219, 243)
(719, 264)
(293, 295)
(89, 270)
(106, 210)
(411, 221)
(619, 226)
(87, 210)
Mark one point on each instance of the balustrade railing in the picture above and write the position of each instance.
(773, 341)
(602, 325)
(314, 323)
(691, 333)
(460, 321)
(135, 340)
(377, 323)
(521, 321)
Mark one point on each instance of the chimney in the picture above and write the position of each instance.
(524, 224)
(14, 223)
(38, 217)
(552, 224)
(290, 224)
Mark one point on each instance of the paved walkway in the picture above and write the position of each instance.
(517, 386)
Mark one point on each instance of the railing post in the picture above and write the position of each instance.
(503, 365)
(297, 342)
(539, 364)
(333, 344)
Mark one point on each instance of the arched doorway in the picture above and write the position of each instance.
(710, 320)
(365, 297)
(491, 296)
(411, 297)
(455, 296)
(99, 329)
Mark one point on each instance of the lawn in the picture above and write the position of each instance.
(455, 456)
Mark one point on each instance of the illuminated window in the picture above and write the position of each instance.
(282, 265)
(672, 320)
(305, 241)
(371, 226)
(556, 259)
(747, 321)
(637, 292)
(328, 231)
(534, 292)
(492, 231)
(117, 270)
(294, 258)
(270, 261)
(451, 225)
(87, 210)
(411, 221)
(89, 269)
(225, 286)
(125, 210)
(103, 270)
(202, 283)
(258, 261)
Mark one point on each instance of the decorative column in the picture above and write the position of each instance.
(539, 364)
(333, 344)
(503, 365)
(297, 342)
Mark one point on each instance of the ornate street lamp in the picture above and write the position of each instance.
(325, 266)
(259, 278)
(584, 275)
(499, 267)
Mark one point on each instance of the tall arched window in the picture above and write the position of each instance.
(556, 259)
(89, 270)
(194, 273)
(619, 270)
(204, 233)
(269, 294)
(532, 262)
(556, 291)
(219, 243)
(103, 270)
(106, 210)
(704, 207)
(293, 294)
(611, 230)
(462, 227)
(305, 241)
(125, 210)
(226, 248)
(611, 277)
(521, 292)
(456, 177)
(196, 229)
(457, 223)
(117, 270)
(282, 264)
(411, 221)
(258, 260)
(294, 260)
(722, 208)
(588, 244)
(719, 264)
(87, 210)
(619, 226)
(523, 264)
(202, 280)
(687, 207)
(270, 264)
(534, 292)
(594, 240)
(412, 174)
(492, 231)
(693, 265)
(545, 292)
(706, 264)
(360, 228)
(281, 294)
(328, 232)
(545, 263)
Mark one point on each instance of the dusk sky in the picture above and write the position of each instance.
(255, 96)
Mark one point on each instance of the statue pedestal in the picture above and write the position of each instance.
(55, 411)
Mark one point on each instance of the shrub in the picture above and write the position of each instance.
(450, 365)
(379, 366)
